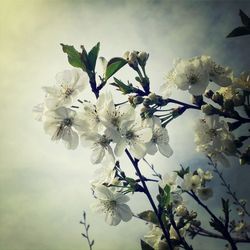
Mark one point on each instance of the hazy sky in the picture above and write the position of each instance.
(44, 187)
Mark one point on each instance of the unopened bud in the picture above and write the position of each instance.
(209, 94)
(142, 58)
(137, 100)
(217, 98)
(208, 109)
(181, 210)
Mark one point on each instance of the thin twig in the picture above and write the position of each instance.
(228, 187)
(86, 233)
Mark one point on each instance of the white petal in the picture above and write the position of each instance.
(121, 198)
(165, 149)
(151, 148)
(97, 154)
(70, 138)
(124, 212)
(144, 134)
(138, 150)
(120, 147)
(64, 77)
(112, 219)
(103, 193)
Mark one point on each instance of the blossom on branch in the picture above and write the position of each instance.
(112, 204)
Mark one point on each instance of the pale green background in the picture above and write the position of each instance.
(44, 187)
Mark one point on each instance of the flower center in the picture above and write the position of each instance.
(192, 78)
(68, 92)
(104, 141)
(109, 205)
(129, 135)
(67, 122)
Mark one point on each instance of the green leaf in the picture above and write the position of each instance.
(145, 246)
(149, 216)
(125, 89)
(74, 57)
(164, 196)
(92, 56)
(113, 66)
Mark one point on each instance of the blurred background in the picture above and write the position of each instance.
(43, 187)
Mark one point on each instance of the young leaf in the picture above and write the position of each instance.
(113, 66)
(244, 18)
(74, 57)
(145, 246)
(148, 216)
(164, 196)
(125, 89)
(92, 56)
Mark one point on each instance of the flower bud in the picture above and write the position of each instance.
(142, 58)
(209, 94)
(208, 109)
(181, 210)
(147, 102)
(217, 98)
(137, 100)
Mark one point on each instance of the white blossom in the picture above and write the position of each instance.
(191, 182)
(160, 138)
(218, 74)
(169, 179)
(100, 145)
(153, 237)
(191, 75)
(135, 136)
(68, 85)
(212, 136)
(112, 204)
(59, 124)
(104, 174)
(205, 175)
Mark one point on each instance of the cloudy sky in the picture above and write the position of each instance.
(44, 187)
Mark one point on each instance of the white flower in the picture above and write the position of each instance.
(59, 124)
(243, 81)
(100, 144)
(206, 176)
(92, 113)
(169, 179)
(135, 136)
(68, 84)
(218, 74)
(205, 193)
(173, 234)
(113, 116)
(168, 85)
(153, 237)
(112, 204)
(191, 75)
(159, 138)
(213, 137)
(104, 175)
(191, 182)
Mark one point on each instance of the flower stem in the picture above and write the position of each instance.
(146, 191)
(224, 229)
